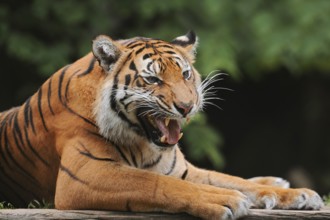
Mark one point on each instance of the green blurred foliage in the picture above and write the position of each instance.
(6, 205)
(256, 35)
(251, 37)
(326, 199)
(35, 204)
(203, 141)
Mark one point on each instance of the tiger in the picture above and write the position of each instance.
(102, 134)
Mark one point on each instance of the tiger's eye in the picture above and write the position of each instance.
(186, 74)
(152, 80)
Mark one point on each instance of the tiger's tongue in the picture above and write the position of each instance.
(171, 132)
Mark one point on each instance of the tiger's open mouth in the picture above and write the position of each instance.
(163, 131)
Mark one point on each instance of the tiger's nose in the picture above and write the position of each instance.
(184, 108)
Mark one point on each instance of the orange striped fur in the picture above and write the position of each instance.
(102, 133)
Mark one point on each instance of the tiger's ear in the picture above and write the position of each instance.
(106, 51)
(188, 43)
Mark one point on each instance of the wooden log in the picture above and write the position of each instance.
(260, 214)
(84, 214)
(255, 214)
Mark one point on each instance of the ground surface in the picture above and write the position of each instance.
(255, 214)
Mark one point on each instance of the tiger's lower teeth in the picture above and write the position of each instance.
(163, 139)
(181, 134)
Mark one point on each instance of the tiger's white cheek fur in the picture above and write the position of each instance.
(110, 124)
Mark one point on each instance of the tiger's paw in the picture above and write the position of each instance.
(278, 198)
(271, 181)
(220, 204)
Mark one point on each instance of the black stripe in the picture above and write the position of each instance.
(4, 120)
(163, 66)
(127, 104)
(176, 62)
(162, 107)
(31, 120)
(153, 163)
(136, 76)
(94, 133)
(163, 101)
(172, 165)
(160, 96)
(20, 148)
(134, 44)
(83, 118)
(2, 130)
(124, 98)
(114, 93)
(116, 146)
(26, 112)
(127, 81)
(16, 128)
(11, 116)
(70, 174)
(68, 84)
(149, 66)
(123, 117)
(91, 156)
(33, 150)
(49, 96)
(20, 168)
(139, 50)
(89, 69)
(133, 157)
(113, 103)
(163, 45)
(139, 84)
(18, 139)
(148, 55)
(63, 101)
(184, 175)
(121, 153)
(135, 127)
(132, 66)
(40, 109)
(131, 43)
(169, 52)
(60, 82)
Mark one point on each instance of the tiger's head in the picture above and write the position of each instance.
(150, 89)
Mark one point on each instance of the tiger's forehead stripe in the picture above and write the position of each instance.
(154, 48)
(147, 43)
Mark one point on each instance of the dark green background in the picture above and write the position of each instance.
(277, 55)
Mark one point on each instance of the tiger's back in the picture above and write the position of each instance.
(28, 134)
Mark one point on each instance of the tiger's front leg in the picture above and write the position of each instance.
(89, 178)
(262, 196)
(271, 181)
